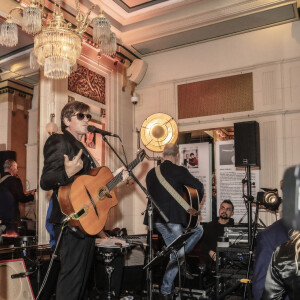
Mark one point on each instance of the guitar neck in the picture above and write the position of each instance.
(118, 178)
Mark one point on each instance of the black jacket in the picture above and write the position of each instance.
(54, 174)
(212, 231)
(282, 279)
(14, 186)
(177, 176)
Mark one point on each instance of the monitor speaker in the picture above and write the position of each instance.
(4, 155)
(137, 70)
(246, 144)
(14, 288)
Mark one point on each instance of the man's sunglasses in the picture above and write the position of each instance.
(80, 116)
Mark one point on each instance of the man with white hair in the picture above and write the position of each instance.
(13, 184)
(177, 177)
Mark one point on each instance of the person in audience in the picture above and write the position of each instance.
(283, 276)
(266, 242)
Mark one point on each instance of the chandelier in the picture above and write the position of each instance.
(57, 43)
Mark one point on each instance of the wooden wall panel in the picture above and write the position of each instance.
(216, 96)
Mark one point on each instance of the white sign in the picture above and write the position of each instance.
(229, 181)
(197, 159)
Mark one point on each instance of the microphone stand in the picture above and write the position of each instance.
(151, 203)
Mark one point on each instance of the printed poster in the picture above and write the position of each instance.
(197, 159)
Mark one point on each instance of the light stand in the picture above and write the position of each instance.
(249, 198)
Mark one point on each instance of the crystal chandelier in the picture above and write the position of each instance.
(57, 44)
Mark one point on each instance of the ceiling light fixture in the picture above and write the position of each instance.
(57, 44)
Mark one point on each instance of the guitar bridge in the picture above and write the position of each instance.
(80, 213)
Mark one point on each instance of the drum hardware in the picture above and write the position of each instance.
(18, 241)
(110, 248)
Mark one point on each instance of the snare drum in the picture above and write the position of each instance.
(111, 245)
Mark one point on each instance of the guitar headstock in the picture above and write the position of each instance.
(141, 154)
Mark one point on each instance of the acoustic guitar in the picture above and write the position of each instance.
(87, 200)
(191, 197)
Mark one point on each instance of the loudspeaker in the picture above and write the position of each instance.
(4, 155)
(137, 71)
(246, 144)
(16, 288)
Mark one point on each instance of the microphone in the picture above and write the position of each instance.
(20, 275)
(102, 132)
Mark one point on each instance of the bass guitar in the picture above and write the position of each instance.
(87, 200)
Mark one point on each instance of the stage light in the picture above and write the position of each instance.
(269, 198)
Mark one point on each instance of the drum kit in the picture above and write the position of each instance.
(109, 249)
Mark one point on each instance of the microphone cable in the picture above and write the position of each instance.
(51, 261)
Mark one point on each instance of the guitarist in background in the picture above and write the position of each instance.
(64, 157)
(177, 177)
(12, 184)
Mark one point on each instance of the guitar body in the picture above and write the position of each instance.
(86, 197)
(190, 195)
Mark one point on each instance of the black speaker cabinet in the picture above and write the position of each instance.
(4, 155)
(246, 144)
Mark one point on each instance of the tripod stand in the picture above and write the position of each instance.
(251, 236)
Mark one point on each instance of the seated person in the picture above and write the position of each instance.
(214, 229)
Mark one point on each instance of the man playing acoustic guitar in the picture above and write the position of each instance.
(64, 157)
(177, 213)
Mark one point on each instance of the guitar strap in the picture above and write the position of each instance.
(3, 178)
(171, 190)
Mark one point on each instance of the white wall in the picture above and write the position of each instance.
(272, 55)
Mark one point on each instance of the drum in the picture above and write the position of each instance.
(111, 245)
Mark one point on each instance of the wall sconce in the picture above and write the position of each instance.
(51, 127)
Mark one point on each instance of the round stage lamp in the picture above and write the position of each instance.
(157, 131)
(269, 199)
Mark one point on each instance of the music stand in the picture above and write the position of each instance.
(174, 246)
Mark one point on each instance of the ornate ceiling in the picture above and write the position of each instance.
(144, 27)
